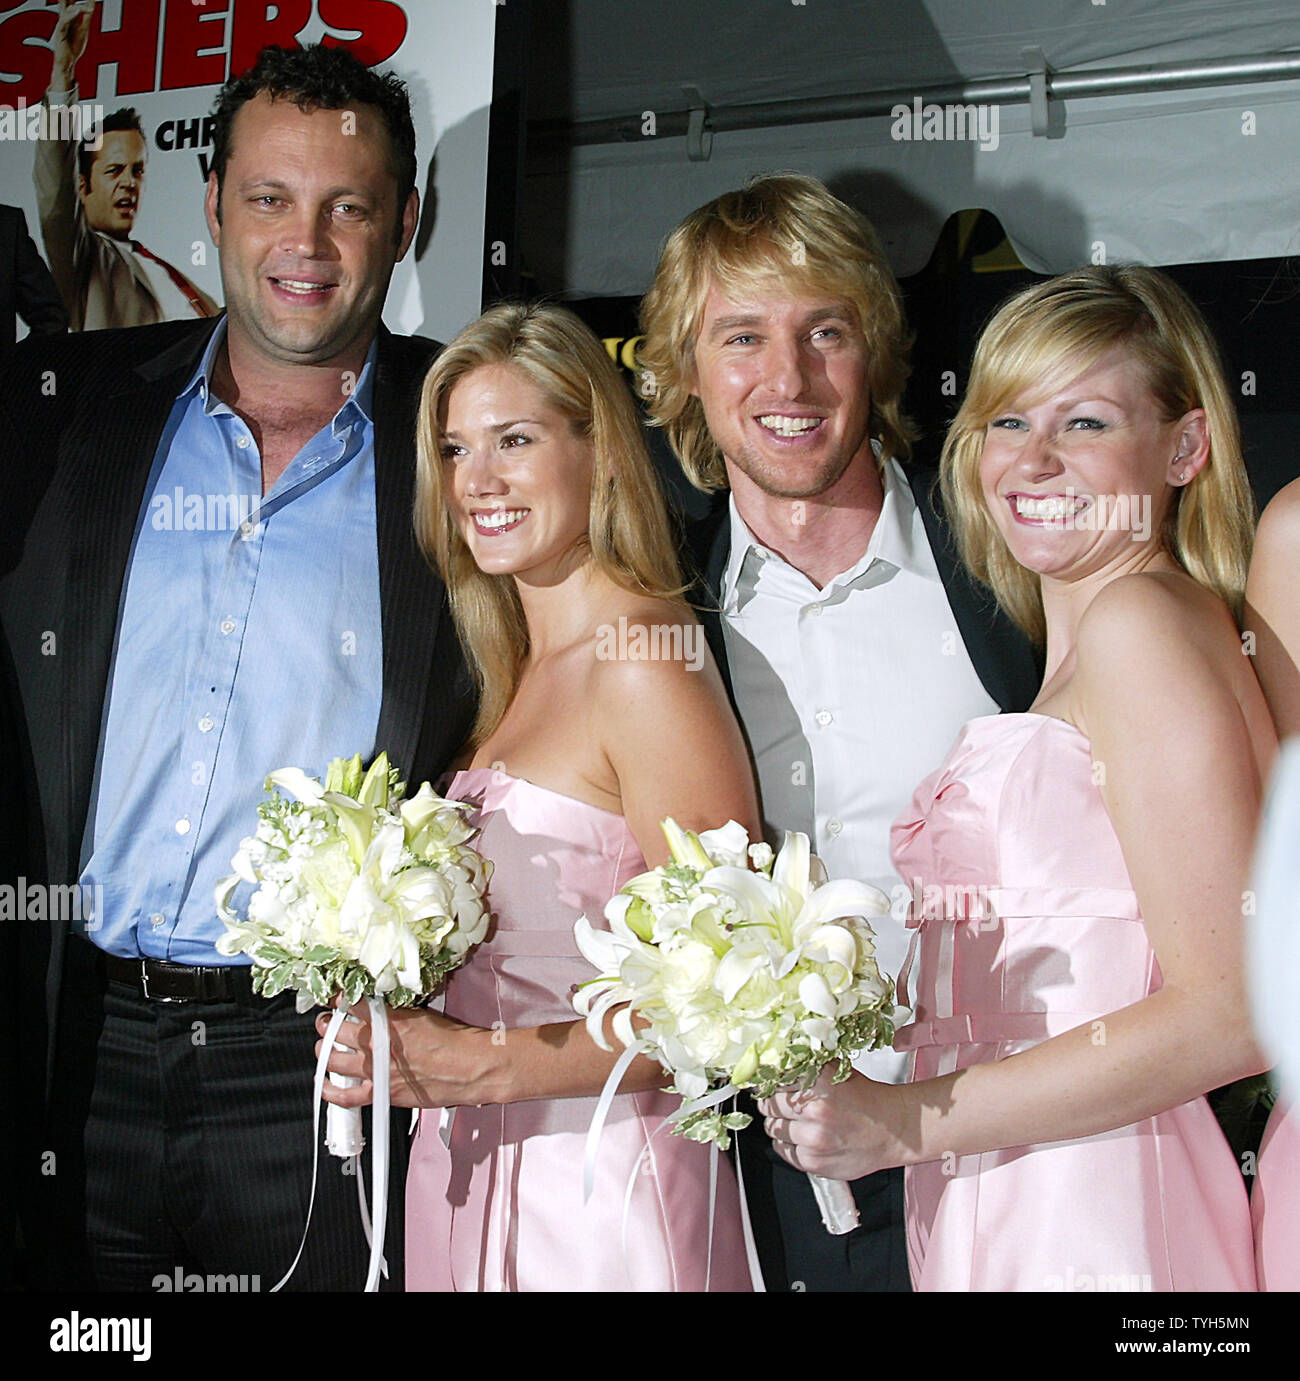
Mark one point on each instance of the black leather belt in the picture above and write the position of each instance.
(163, 982)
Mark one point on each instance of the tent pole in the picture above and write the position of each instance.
(1112, 81)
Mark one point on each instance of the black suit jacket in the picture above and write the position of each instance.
(1002, 656)
(27, 288)
(86, 413)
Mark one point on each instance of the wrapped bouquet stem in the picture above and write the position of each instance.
(359, 892)
(740, 977)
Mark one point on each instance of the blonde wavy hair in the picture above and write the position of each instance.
(629, 537)
(784, 232)
(1046, 336)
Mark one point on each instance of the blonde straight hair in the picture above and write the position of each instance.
(786, 233)
(629, 536)
(1045, 337)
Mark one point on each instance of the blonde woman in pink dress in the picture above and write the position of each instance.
(1077, 971)
(601, 714)
(1273, 617)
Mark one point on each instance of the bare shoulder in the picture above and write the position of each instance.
(1155, 645)
(1278, 536)
(655, 649)
(1155, 615)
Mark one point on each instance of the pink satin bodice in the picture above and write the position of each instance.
(1028, 927)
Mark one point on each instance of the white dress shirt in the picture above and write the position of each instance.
(850, 696)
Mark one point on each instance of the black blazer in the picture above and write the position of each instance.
(85, 415)
(1002, 656)
(27, 287)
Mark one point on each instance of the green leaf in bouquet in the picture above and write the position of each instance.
(354, 985)
(711, 1125)
(277, 979)
(319, 986)
(320, 954)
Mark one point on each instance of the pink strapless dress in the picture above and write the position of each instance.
(502, 1207)
(1275, 1202)
(1048, 937)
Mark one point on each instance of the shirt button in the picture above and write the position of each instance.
(206, 723)
(183, 825)
(833, 827)
(157, 919)
(246, 530)
(242, 443)
(227, 626)
(816, 610)
(824, 717)
(762, 553)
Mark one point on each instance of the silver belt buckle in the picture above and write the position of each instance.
(144, 984)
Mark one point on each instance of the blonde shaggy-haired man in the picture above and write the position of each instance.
(854, 643)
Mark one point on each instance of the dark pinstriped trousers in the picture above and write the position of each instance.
(181, 1136)
(795, 1250)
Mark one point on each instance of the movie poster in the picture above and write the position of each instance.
(106, 141)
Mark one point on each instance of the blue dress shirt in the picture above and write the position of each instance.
(248, 639)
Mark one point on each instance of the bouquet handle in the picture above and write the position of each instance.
(343, 1135)
(836, 1204)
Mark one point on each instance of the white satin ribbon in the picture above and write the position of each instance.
(691, 1105)
(602, 1112)
(378, 1151)
(379, 1129)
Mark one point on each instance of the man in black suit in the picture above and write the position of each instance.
(26, 287)
(853, 641)
(165, 661)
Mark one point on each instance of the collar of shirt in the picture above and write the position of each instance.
(892, 548)
(358, 407)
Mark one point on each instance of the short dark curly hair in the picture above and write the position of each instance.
(319, 78)
(128, 118)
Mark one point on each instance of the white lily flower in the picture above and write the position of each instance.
(297, 783)
(343, 901)
(728, 845)
(753, 978)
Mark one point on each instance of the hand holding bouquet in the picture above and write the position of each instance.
(359, 892)
(741, 978)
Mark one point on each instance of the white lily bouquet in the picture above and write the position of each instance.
(359, 891)
(743, 979)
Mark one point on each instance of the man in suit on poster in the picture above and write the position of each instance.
(89, 199)
(210, 572)
(853, 641)
(26, 288)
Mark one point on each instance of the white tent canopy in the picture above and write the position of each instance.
(1192, 168)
